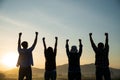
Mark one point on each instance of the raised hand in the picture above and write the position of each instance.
(20, 34)
(67, 40)
(43, 38)
(90, 34)
(56, 38)
(106, 34)
(36, 33)
(79, 40)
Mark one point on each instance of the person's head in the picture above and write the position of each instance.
(74, 49)
(50, 49)
(24, 44)
(100, 45)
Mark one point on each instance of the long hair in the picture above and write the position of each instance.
(50, 50)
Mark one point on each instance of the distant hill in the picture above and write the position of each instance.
(88, 71)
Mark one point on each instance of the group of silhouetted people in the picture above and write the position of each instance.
(25, 59)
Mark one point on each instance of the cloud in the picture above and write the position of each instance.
(14, 22)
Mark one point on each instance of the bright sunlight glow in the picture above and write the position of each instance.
(10, 60)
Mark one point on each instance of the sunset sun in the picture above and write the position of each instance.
(10, 60)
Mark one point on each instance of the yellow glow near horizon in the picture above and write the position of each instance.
(10, 60)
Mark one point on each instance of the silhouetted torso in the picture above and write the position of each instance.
(50, 63)
(74, 61)
(101, 56)
(25, 57)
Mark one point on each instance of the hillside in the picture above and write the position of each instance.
(88, 71)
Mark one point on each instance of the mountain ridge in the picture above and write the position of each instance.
(87, 70)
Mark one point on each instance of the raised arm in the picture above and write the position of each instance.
(92, 42)
(106, 41)
(19, 42)
(80, 46)
(56, 42)
(44, 44)
(35, 41)
(67, 47)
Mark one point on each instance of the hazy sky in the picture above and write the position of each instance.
(67, 19)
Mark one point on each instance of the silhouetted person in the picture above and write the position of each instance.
(25, 60)
(101, 59)
(74, 71)
(50, 61)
